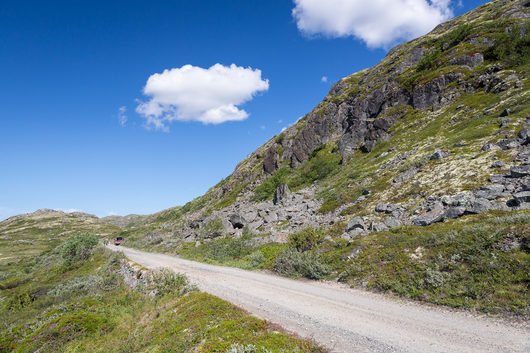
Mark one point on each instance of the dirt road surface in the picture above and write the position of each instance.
(343, 319)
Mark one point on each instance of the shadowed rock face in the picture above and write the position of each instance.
(359, 121)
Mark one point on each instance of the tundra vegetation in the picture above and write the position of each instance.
(72, 298)
(457, 122)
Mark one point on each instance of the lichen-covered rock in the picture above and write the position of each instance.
(520, 171)
(281, 193)
(428, 218)
(355, 223)
(439, 155)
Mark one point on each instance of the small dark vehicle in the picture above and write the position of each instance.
(118, 240)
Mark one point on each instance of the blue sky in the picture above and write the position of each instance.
(67, 67)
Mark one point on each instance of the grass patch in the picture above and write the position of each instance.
(480, 263)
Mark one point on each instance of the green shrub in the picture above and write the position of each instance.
(213, 229)
(224, 250)
(266, 189)
(78, 286)
(456, 36)
(513, 48)
(20, 300)
(256, 259)
(279, 138)
(306, 239)
(78, 247)
(321, 164)
(166, 281)
(294, 263)
(430, 60)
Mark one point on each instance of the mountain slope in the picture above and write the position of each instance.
(396, 143)
(411, 177)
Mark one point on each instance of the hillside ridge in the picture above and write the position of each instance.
(437, 130)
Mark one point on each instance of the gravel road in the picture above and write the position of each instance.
(343, 319)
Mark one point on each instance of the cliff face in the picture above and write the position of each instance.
(436, 130)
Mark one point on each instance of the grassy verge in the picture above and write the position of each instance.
(72, 299)
(479, 262)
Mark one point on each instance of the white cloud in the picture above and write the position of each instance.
(262, 127)
(379, 23)
(122, 118)
(284, 128)
(324, 79)
(192, 93)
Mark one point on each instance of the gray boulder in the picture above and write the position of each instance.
(461, 199)
(508, 144)
(281, 193)
(392, 222)
(249, 215)
(255, 225)
(237, 221)
(356, 223)
(454, 212)
(490, 192)
(439, 155)
(428, 218)
(407, 174)
(522, 196)
(479, 206)
(524, 135)
(490, 147)
(520, 171)
(378, 227)
(271, 218)
(386, 208)
(498, 164)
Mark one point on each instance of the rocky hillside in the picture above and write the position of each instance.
(436, 131)
(410, 177)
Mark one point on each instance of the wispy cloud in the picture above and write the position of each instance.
(122, 118)
(379, 23)
(192, 93)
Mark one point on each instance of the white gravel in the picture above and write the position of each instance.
(344, 319)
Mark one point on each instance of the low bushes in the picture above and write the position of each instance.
(78, 285)
(294, 263)
(78, 247)
(306, 239)
(166, 281)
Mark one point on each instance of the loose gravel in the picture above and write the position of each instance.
(344, 319)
